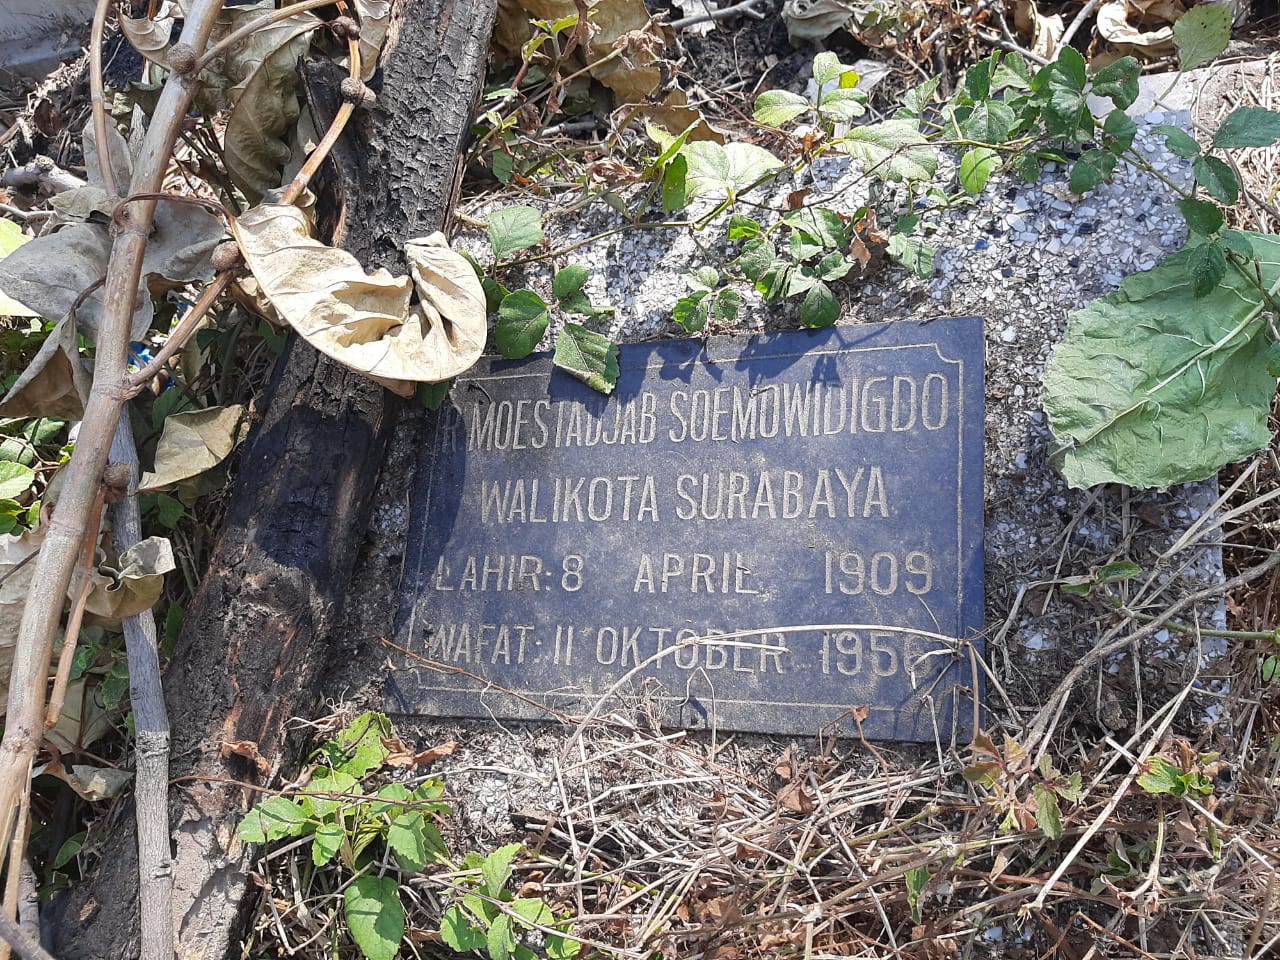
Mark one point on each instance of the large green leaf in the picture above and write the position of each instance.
(587, 355)
(892, 150)
(513, 229)
(1248, 127)
(375, 916)
(726, 171)
(1201, 34)
(1153, 386)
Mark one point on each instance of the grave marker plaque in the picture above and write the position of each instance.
(562, 541)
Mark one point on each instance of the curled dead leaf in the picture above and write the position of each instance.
(193, 442)
(133, 583)
(365, 320)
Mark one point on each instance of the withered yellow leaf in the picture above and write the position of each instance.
(367, 321)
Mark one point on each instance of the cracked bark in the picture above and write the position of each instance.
(254, 642)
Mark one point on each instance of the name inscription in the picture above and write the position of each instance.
(811, 502)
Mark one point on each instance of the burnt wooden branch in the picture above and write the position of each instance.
(254, 641)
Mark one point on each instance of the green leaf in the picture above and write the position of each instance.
(726, 171)
(842, 105)
(834, 266)
(1122, 128)
(725, 306)
(918, 98)
(534, 911)
(1153, 386)
(1068, 72)
(1059, 88)
(827, 68)
(504, 166)
(1094, 167)
(774, 108)
(1248, 127)
(1012, 72)
(569, 281)
(1163, 777)
(1048, 815)
(1270, 668)
(375, 916)
(358, 747)
(1180, 143)
(587, 355)
(326, 843)
(824, 226)
(1119, 81)
(1207, 266)
(977, 80)
(703, 279)
(432, 395)
(522, 322)
(500, 940)
(990, 122)
(513, 229)
(757, 256)
(914, 254)
(691, 312)
(457, 930)
(15, 479)
(1217, 177)
(497, 868)
(675, 192)
(1202, 217)
(1201, 34)
(274, 819)
(1118, 572)
(406, 837)
(917, 879)
(820, 307)
(743, 228)
(323, 783)
(892, 150)
(976, 166)
(168, 510)
(562, 948)
(69, 850)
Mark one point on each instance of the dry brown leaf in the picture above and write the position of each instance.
(193, 442)
(364, 320)
(150, 36)
(795, 798)
(83, 721)
(266, 107)
(95, 783)
(1043, 33)
(1115, 27)
(249, 750)
(675, 115)
(400, 755)
(133, 584)
(17, 564)
(375, 18)
(55, 382)
(51, 273)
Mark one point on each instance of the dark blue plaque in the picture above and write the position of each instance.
(816, 494)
